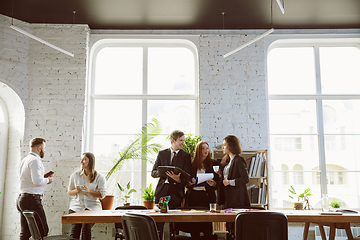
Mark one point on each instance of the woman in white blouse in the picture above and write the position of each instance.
(87, 187)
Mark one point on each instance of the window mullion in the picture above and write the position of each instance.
(144, 111)
(320, 121)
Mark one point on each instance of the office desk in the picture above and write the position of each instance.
(114, 216)
(333, 221)
(307, 217)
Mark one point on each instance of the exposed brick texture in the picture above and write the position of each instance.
(51, 86)
(233, 91)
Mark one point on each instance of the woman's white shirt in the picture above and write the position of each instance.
(83, 200)
(227, 170)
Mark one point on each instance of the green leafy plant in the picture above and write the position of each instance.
(126, 192)
(140, 147)
(302, 197)
(190, 144)
(335, 204)
(148, 193)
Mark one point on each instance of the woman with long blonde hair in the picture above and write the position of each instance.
(87, 187)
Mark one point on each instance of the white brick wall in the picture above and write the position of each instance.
(14, 56)
(52, 88)
(56, 107)
(233, 91)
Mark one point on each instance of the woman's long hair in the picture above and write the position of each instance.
(234, 146)
(198, 163)
(93, 172)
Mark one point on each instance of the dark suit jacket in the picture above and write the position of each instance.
(235, 196)
(210, 191)
(181, 160)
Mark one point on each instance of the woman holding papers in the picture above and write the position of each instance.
(201, 191)
(87, 186)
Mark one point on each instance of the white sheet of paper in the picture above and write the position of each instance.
(203, 177)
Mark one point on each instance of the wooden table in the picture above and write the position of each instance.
(307, 217)
(333, 221)
(114, 216)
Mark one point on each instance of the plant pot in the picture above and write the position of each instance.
(107, 202)
(127, 204)
(149, 204)
(298, 206)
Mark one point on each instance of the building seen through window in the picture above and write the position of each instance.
(314, 116)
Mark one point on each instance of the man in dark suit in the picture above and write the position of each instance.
(173, 184)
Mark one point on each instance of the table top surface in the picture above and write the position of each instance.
(113, 216)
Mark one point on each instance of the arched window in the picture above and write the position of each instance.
(298, 175)
(132, 82)
(337, 175)
(285, 168)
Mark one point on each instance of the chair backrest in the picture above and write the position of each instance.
(261, 225)
(130, 207)
(35, 224)
(139, 227)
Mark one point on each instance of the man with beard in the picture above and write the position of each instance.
(32, 182)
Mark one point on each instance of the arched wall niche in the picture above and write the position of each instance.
(16, 127)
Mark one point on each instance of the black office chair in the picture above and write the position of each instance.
(118, 226)
(36, 227)
(139, 227)
(193, 228)
(259, 225)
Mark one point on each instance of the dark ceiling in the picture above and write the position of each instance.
(188, 14)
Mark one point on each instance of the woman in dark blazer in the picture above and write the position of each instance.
(234, 176)
(203, 194)
(200, 195)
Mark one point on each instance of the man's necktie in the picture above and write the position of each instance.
(174, 155)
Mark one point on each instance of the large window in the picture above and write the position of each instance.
(132, 82)
(314, 116)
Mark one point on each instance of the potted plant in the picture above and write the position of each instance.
(335, 204)
(126, 192)
(301, 198)
(148, 196)
(137, 148)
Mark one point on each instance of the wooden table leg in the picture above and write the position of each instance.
(332, 231)
(306, 231)
(348, 232)
(322, 232)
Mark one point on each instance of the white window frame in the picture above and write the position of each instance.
(99, 41)
(316, 41)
